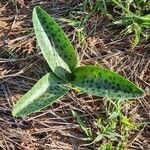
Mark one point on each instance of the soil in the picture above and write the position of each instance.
(21, 65)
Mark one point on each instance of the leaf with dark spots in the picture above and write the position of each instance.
(51, 39)
(105, 83)
(44, 93)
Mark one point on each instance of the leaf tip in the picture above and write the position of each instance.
(36, 8)
(141, 93)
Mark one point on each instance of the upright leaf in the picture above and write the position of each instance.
(105, 83)
(45, 92)
(137, 30)
(54, 44)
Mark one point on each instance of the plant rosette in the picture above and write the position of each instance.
(66, 73)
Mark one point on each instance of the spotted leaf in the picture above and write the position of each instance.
(54, 44)
(104, 83)
(45, 92)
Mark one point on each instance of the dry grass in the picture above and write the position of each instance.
(21, 65)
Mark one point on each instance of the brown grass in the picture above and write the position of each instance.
(21, 65)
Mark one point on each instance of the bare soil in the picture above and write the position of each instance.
(21, 65)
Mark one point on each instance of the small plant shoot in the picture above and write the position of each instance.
(61, 57)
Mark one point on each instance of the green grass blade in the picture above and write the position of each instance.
(137, 30)
(45, 92)
(83, 125)
(54, 44)
(122, 7)
(105, 83)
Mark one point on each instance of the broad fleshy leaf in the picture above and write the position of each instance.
(104, 83)
(44, 93)
(54, 44)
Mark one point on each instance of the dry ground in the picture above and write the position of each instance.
(21, 65)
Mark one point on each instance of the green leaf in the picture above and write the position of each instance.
(44, 93)
(105, 83)
(137, 29)
(98, 138)
(123, 20)
(107, 146)
(122, 7)
(54, 44)
(71, 22)
(83, 126)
